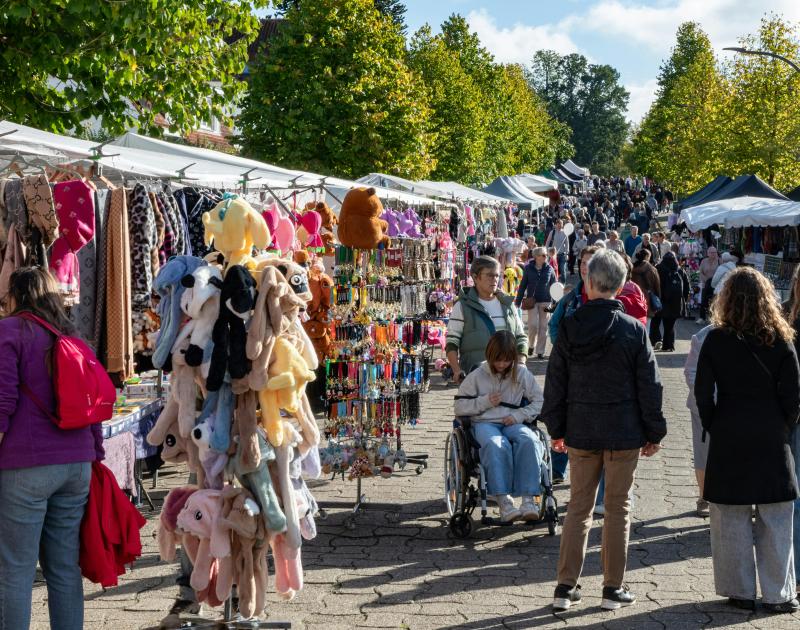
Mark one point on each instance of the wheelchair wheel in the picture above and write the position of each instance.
(455, 477)
(461, 525)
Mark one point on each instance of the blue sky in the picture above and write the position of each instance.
(634, 36)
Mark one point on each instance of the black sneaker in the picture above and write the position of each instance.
(792, 606)
(540, 356)
(530, 352)
(565, 596)
(743, 604)
(558, 479)
(614, 598)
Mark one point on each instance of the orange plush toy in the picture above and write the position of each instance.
(359, 224)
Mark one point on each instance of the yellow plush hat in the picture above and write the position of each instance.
(234, 227)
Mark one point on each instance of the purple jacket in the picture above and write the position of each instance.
(31, 439)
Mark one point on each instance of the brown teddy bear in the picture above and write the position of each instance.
(359, 224)
(329, 220)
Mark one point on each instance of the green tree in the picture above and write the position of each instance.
(458, 121)
(681, 141)
(589, 99)
(334, 95)
(394, 9)
(65, 61)
(764, 118)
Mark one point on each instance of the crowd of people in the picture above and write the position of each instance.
(602, 395)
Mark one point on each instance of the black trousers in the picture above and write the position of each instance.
(668, 340)
(705, 301)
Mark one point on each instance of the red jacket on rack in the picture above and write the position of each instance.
(109, 530)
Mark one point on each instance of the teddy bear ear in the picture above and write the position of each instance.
(370, 191)
(187, 281)
(217, 282)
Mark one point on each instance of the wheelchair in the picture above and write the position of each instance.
(462, 466)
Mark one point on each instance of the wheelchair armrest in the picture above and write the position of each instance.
(465, 422)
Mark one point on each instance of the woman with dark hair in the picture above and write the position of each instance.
(674, 286)
(44, 470)
(500, 396)
(747, 390)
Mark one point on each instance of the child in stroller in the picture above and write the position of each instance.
(499, 396)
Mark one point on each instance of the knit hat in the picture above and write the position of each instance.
(169, 287)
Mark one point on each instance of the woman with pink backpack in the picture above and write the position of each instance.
(45, 469)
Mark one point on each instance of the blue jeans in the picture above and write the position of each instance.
(41, 514)
(795, 441)
(511, 457)
(561, 260)
(560, 463)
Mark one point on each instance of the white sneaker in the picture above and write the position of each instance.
(599, 510)
(657, 346)
(508, 512)
(529, 510)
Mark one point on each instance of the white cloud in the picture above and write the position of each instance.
(517, 44)
(642, 96)
(655, 26)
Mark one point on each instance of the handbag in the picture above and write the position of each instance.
(527, 303)
(655, 301)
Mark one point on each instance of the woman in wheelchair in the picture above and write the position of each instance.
(499, 397)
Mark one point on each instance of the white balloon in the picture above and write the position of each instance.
(569, 229)
(556, 291)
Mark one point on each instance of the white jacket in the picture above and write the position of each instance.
(473, 395)
(723, 270)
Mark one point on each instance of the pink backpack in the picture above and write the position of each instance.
(83, 390)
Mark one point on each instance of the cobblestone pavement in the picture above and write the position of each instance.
(412, 574)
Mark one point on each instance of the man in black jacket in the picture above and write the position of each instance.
(602, 404)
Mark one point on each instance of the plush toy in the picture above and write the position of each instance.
(328, 221)
(235, 228)
(277, 307)
(286, 547)
(317, 327)
(413, 219)
(288, 376)
(308, 231)
(200, 302)
(200, 517)
(168, 535)
(393, 229)
(237, 299)
(259, 482)
(175, 447)
(296, 275)
(170, 287)
(302, 258)
(240, 516)
(359, 224)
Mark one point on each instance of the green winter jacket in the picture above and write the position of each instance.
(472, 340)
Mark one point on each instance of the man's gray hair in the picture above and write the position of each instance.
(482, 263)
(606, 271)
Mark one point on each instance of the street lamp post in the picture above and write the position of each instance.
(764, 53)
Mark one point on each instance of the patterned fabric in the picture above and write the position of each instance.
(180, 201)
(41, 210)
(13, 258)
(16, 211)
(143, 247)
(177, 224)
(118, 260)
(3, 213)
(100, 329)
(155, 254)
(82, 314)
(74, 203)
(167, 249)
(172, 229)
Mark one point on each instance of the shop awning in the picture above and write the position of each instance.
(537, 183)
(702, 195)
(443, 190)
(743, 212)
(574, 170)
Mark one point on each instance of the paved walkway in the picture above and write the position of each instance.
(411, 574)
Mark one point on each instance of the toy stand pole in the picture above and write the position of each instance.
(230, 623)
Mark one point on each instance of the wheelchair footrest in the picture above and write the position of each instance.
(496, 522)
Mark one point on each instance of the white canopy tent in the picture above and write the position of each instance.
(512, 189)
(442, 190)
(537, 183)
(742, 212)
(574, 168)
(273, 176)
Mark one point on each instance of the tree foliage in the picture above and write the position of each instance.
(458, 121)
(394, 9)
(65, 61)
(710, 119)
(681, 140)
(589, 99)
(334, 95)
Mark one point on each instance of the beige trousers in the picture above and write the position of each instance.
(584, 472)
(537, 327)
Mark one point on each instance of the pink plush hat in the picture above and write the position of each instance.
(201, 517)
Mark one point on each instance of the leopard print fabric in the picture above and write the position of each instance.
(143, 244)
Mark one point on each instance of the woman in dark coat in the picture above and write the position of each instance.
(674, 284)
(748, 396)
(646, 277)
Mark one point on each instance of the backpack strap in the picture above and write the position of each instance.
(38, 402)
(38, 320)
